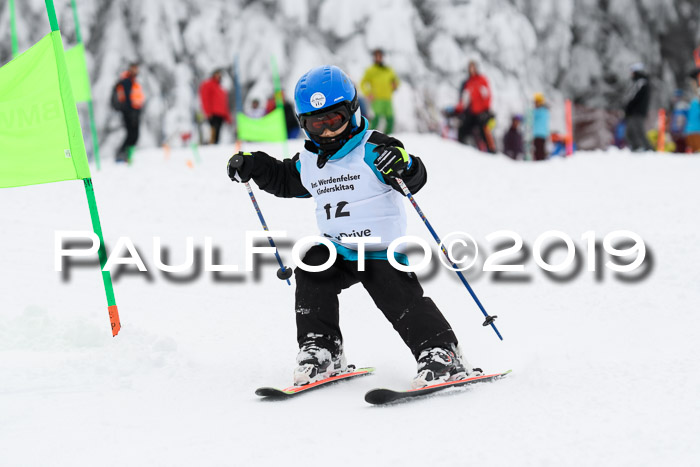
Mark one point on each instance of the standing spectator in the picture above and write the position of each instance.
(474, 108)
(379, 84)
(130, 100)
(256, 110)
(290, 119)
(540, 127)
(513, 139)
(692, 128)
(636, 109)
(679, 119)
(215, 105)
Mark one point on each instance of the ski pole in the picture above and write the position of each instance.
(283, 272)
(489, 319)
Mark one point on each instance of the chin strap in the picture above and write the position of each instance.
(326, 150)
(321, 160)
(329, 146)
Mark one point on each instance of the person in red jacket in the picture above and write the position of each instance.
(215, 104)
(474, 108)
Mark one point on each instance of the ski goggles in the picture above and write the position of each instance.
(333, 120)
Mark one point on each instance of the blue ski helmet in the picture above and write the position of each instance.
(323, 87)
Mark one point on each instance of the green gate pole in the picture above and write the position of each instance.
(102, 253)
(95, 217)
(91, 109)
(13, 29)
(195, 152)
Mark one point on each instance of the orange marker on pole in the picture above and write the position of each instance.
(114, 319)
(661, 139)
(569, 128)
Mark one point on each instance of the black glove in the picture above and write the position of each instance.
(392, 161)
(240, 166)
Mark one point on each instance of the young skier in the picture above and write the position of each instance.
(349, 171)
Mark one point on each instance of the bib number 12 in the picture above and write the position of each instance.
(338, 210)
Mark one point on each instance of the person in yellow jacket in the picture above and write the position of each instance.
(378, 84)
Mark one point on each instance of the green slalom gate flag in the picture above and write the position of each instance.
(270, 128)
(40, 137)
(77, 70)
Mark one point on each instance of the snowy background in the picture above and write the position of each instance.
(580, 49)
(603, 369)
(602, 366)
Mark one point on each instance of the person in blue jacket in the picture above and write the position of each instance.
(540, 127)
(678, 120)
(692, 127)
(351, 171)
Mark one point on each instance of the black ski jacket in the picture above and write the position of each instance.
(638, 96)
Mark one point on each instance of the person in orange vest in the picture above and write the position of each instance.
(215, 104)
(130, 100)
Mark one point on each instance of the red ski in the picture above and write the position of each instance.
(274, 393)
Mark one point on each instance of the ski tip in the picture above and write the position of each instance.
(271, 392)
(379, 396)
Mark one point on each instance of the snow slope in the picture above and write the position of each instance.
(602, 369)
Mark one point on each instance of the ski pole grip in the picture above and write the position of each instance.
(237, 161)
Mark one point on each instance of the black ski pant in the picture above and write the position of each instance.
(476, 126)
(215, 123)
(397, 294)
(132, 121)
(540, 152)
(636, 136)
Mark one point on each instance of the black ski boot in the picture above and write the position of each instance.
(317, 361)
(440, 365)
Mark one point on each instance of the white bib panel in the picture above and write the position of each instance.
(351, 201)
